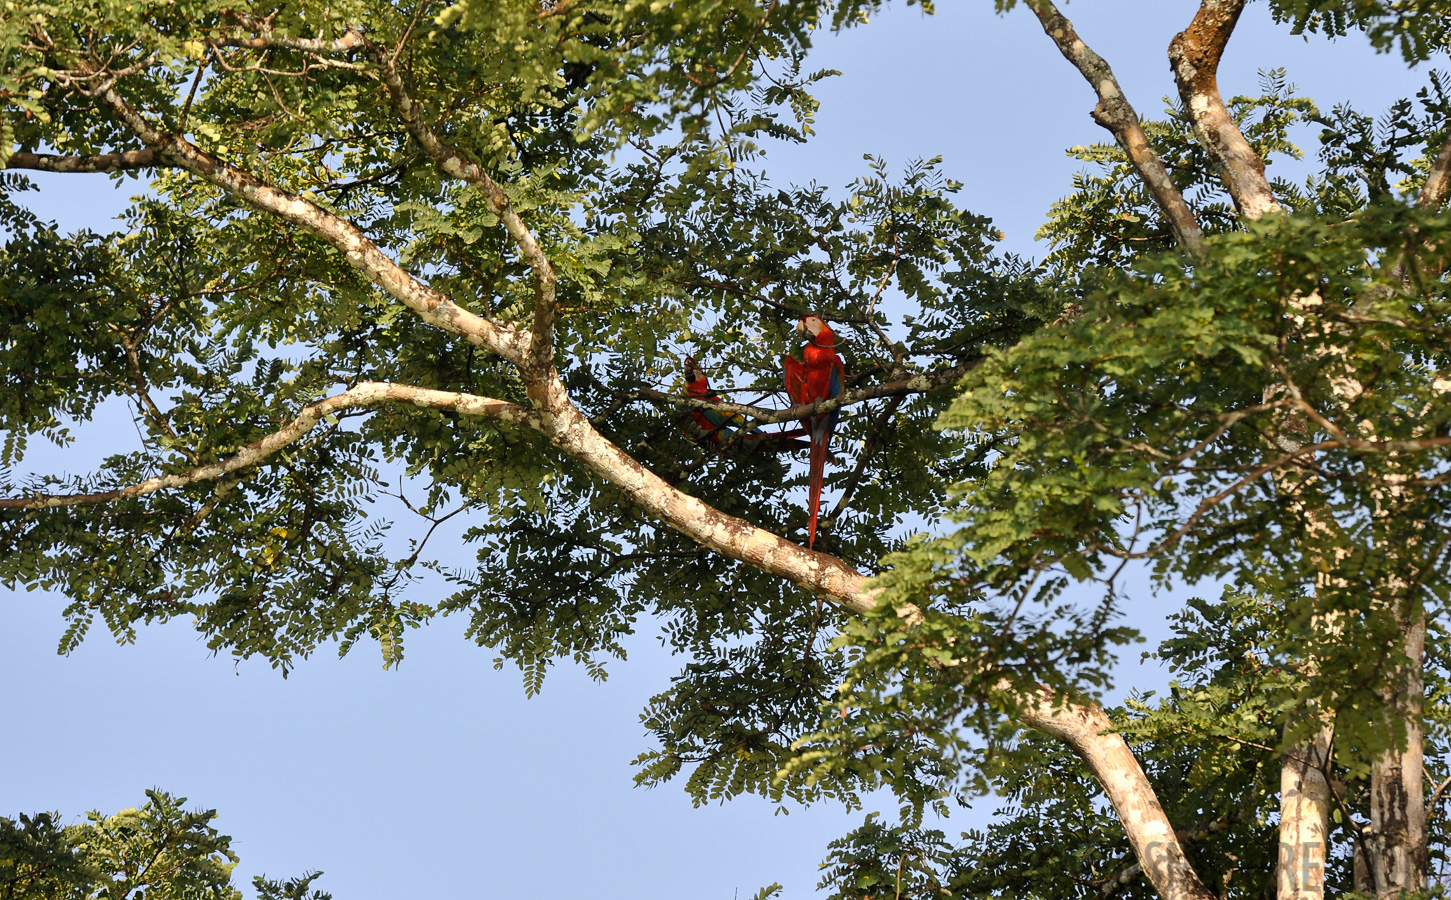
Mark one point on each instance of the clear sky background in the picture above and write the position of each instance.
(440, 779)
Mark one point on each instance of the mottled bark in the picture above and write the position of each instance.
(1305, 791)
(1395, 856)
(1395, 848)
(1194, 54)
(540, 353)
(1304, 818)
(1087, 730)
(1114, 113)
(103, 162)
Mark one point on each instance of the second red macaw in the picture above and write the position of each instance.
(722, 431)
(818, 375)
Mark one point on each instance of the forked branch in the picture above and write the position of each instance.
(1089, 732)
(540, 354)
(1116, 114)
(431, 305)
(1194, 54)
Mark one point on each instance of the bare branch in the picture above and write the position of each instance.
(364, 395)
(1116, 114)
(431, 305)
(351, 40)
(1194, 54)
(104, 162)
(196, 82)
(869, 447)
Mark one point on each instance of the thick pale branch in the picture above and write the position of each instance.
(364, 395)
(1194, 54)
(351, 40)
(103, 162)
(1304, 818)
(1116, 114)
(1087, 730)
(820, 573)
(1126, 875)
(431, 305)
(450, 159)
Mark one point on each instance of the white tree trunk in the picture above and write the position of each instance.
(1304, 819)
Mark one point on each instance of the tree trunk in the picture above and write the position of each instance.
(1396, 847)
(1304, 819)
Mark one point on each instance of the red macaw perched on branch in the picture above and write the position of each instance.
(720, 430)
(818, 375)
(706, 425)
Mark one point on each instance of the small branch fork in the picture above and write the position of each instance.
(1194, 54)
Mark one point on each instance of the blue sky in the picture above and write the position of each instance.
(440, 779)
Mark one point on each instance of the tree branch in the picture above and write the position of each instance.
(1089, 732)
(869, 447)
(1438, 182)
(540, 354)
(1115, 113)
(1125, 875)
(364, 395)
(104, 162)
(1194, 55)
(431, 305)
(351, 40)
(916, 384)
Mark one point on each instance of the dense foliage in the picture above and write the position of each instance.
(1273, 412)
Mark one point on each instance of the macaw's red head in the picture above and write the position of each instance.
(816, 330)
(695, 381)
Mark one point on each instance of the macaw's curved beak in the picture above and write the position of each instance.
(801, 325)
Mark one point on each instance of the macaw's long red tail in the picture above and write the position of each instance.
(818, 472)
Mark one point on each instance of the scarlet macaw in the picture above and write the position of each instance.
(720, 430)
(707, 425)
(818, 375)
